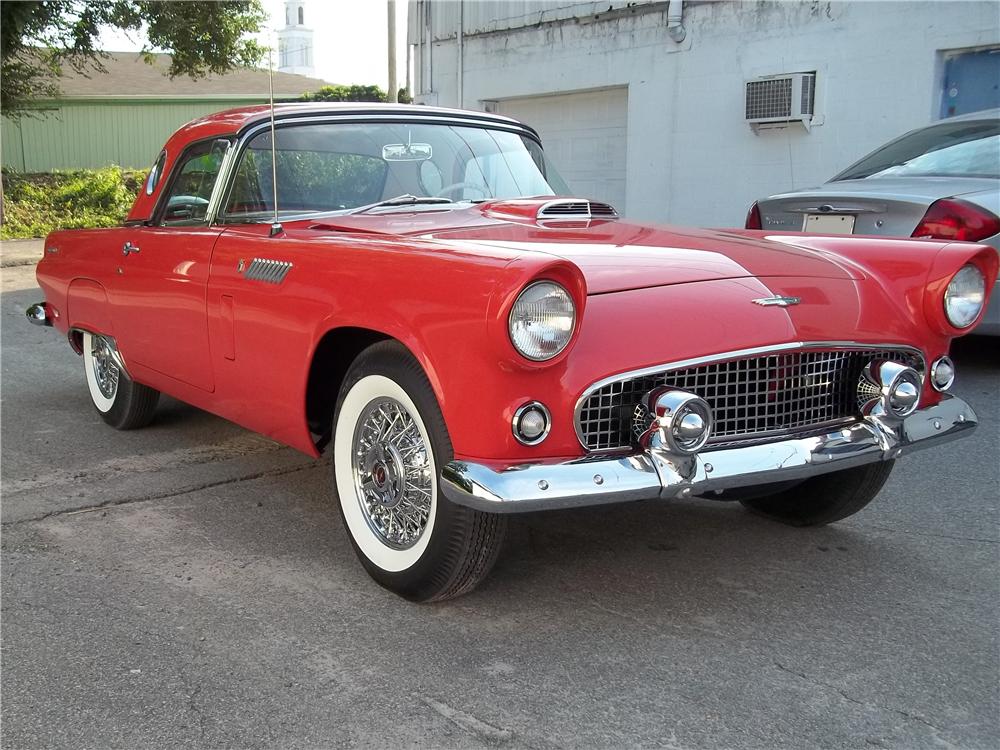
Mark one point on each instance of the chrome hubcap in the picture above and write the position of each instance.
(392, 473)
(105, 369)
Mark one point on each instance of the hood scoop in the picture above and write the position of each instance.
(575, 210)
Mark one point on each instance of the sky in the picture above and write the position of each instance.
(350, 39)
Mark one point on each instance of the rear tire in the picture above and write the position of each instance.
(823, 499)
(121, 402)
(389, 445)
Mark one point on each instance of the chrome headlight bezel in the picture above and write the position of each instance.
(965, 293)
(546, 342)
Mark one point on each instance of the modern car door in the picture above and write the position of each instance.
(159, 293)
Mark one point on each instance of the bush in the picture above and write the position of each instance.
(36, 204)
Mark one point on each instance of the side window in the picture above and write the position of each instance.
(186, 202)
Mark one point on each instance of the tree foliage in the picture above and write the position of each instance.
(37, 39)
(354, 93)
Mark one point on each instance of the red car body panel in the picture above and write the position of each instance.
(188, 323)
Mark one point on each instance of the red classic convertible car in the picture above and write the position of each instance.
(407, 289)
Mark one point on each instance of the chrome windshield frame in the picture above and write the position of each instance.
(251, 131)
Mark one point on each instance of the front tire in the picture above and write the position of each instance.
(389, 445)
(824, 499)
(121, 402)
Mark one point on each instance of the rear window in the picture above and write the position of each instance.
(950, 149)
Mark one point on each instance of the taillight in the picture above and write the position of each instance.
(953, 219)
(753, 217)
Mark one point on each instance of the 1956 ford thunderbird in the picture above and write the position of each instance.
(410, 290)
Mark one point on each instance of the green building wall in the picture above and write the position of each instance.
(92, 133)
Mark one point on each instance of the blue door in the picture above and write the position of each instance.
(971, 82)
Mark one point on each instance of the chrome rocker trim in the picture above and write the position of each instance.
(655, 474)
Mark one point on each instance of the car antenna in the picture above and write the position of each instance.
(276, 227)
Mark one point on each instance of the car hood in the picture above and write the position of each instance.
(614, 255)
(918, 189)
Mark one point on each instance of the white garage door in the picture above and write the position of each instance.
(584, 136)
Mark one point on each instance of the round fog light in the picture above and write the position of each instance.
(531, 423)
(942, 373)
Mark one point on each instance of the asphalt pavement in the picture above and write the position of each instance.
(190, 585)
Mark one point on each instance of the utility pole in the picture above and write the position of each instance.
(393, 86)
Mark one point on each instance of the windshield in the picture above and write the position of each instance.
(951, 149)
(329, 167)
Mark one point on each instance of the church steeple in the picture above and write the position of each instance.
(295, 41)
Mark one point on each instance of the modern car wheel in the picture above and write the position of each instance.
(823, 499)
(121, 402)
(389, 444)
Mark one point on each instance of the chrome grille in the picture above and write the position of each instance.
(770, 394)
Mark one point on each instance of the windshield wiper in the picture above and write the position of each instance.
(400, 200)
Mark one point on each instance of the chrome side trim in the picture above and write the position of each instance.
(655, 474)
(726, 356)
(221, 184)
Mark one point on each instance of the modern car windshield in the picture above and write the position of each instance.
(950, 149)
(330, 167)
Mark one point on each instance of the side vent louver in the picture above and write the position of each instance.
(267, 270)
(576, 209)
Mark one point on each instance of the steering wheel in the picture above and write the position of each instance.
(459, 185)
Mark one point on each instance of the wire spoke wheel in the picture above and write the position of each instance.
(121, 402)
(392, 473)
(106, 372)
(389, 441)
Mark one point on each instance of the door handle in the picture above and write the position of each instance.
(128, 247)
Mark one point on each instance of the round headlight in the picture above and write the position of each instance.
(542, 320)
(963, 300)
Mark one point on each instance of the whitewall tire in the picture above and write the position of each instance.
(384, 396)
(121, 402)
(389, 444)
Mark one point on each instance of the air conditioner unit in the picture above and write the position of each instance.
(775, 101)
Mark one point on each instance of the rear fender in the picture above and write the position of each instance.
(87, 307)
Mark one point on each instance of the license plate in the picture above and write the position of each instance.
(829, 223)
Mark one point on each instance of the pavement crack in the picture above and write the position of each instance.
(488, 733)
(932, 534)
(163, 495)
(867, 704)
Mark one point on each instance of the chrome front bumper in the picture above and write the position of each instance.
(656, 474)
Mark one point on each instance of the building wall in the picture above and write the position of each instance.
(91, 134)
(691, 158)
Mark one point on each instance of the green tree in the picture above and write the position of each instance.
(353, 93)
(37, 39)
